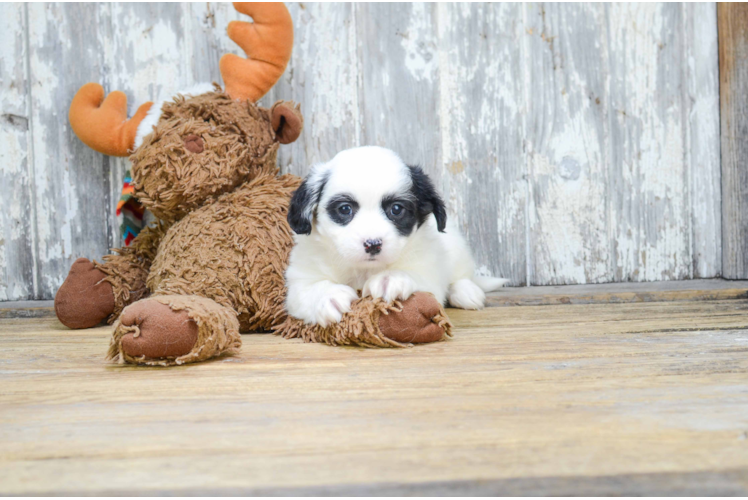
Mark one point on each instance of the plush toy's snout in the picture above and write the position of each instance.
(194, 144)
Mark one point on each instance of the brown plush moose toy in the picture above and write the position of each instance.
(213, 266)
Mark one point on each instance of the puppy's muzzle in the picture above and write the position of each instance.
(373, 247)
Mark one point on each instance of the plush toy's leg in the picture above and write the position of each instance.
(374, 323)
(85, 298)
(174, 329)
(94, 292)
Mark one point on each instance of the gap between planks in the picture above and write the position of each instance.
(609, 293)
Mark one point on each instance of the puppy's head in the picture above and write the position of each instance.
(366, 202)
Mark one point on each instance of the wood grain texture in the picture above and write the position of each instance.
(616, 293)
(565, 134)
(27, 309)
(71, 201)
(574, 143)
(733, 88)
(399, 88)
(482, 97)
(703, 138)
(709, 483)
(17, 244)
(323, 76)
(650, 191)
(607, 293)
(579, 398)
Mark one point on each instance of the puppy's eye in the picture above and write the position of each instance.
(345, 209)
(396, 209)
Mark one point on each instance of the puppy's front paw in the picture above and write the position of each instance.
(333, 303)
(390, 286)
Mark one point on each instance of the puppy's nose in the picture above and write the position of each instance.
(373, 247)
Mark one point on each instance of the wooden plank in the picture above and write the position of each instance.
(710, 483)
(70, 180)
(17, 246)
(206, 39)
(482, 96)
(701, 100)
(322, 76)
(577, 398)
(399, 86)
(609, 293)
(150, 57)
(648, 196)
(613, 293)
(733, 88)
(28, 309)
(566, 135)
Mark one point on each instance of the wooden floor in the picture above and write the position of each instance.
(634, 398)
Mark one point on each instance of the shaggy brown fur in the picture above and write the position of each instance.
(217, 332)
(362, 326)
(238, 144)
(127, 269)
(233, 251)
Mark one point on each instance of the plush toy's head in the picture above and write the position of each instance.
(188, 149)
(204, 146)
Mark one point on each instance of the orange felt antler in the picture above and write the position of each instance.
(267, 42)
(103, 126)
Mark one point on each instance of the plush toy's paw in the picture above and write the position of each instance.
(167, 330)
(332, 304)
(466, 295)
(161, 332)
(84, 299)
(419, 322)
(389, 286)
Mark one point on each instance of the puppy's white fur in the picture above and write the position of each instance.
(330, 264)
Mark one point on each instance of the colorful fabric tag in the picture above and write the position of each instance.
(129, 212)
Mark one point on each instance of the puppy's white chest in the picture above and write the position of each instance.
(356, 279)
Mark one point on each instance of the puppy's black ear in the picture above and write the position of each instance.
(427, 199)
(300, 211)
(304, 202)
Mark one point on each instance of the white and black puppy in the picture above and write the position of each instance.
(367, 221)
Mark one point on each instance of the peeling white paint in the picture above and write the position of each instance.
(4, 295)
(419, 44)
(700, 33)
(575, 143)
(16, 230)
(323, 77)
(653, 237)
(482, 171)
(13, 151)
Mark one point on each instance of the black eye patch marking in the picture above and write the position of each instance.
(342, 209)
(402, 212)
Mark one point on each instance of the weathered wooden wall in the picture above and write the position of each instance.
(576, 143)
(733, 72)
